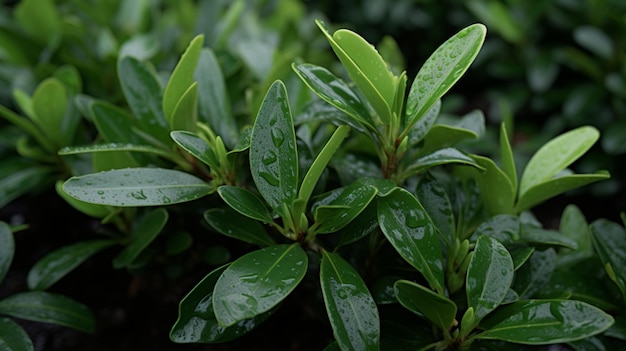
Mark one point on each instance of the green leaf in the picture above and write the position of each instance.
(538, 236)
(351, 309)
(440, 310)
(235, 225)
(181, 78)
(144, 96)
(144, 232)
(273, 154)
(49, 108)
(19, 176)
(436, 202)
(542, 322)
(257, 282)
(133, 187)
(337, 93)
(27, 126)
(185, 114)
(609, 241)
(39, 306)
(197, 147)
(343, 208)
(535, 273)
(422, 127)
(13, 337)
(496, 189)
(574, 226)
(506, 157)
(489, 276)
(360, 226)
(196, 321)
(442, 70)
(40, 19)
(113, 123)
(408, 228)
(441, 157)
(443, 136)
(245, 202)
(58, 263)
(556, 155)
(7, 249)
(504, 228)
(112, 147)
(552, 187)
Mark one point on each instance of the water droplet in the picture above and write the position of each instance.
(138, 195)
(249, 278)
(269, 157)
(270, 178)
(278, 137)
(100, 192)
(412, 221)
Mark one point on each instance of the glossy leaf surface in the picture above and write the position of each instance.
(574, 226)
(245, 202)
(196, 321)
(496, 189)
(7, 249)
(49, 107)
(257, 282)
(45, 307)
(535, 273)
(609, 241)
(197, 147)
(441, 157)
(343, 209)
(144, 232)
(442, 70)
(137, 187)
(55, 265)
(235, 225)
(489, 276)
(273, 154)
(440, 310)
(13, 337)
(538, 322)
(432, 195)
(351, 309)
(504, 228)
(185, 114)
(408, 228)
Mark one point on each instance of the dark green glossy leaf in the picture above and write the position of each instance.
(552, 187)
(408, 228)
(540, 322)
(438, 309)
(504, 228)
(574, 226)
(144, 232)
(609, 241)
(351, 309)
(535, 273)
(489, 276)
(496, 189)
(273, 154)
(365, 223)
(45, 307)
(196, 321)
(58, 263)
(19, 176)
(343, 208)
(383, 186)
(7, 249)
(335, 92)
(443, 69)
(257, 282)
(181, 78)
(539, 236)
(520, 255)
(441, 157)
(13, 337)
(132, 187)
(422, 126)
(144, 96)
(112, 147)
(114, 124)
(245, 202)
(197, 147)
(433, 197)
(235, 225)
(618, 330)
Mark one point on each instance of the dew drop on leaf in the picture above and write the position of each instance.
(278, 137)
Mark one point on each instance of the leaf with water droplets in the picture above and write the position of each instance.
(132, 187)
(436, 202)
(145, 230)
(245, 202)
(438, 309)
(609, 241)
(257, 282)
(489, 276)
(273, 154)
(442, 70)
(352, 200)
(196, 146)
(234, 225)
(7, 249)
(440, 157)
(13, 337)
(408, 228)
(351, 309)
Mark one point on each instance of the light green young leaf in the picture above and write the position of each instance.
(144, 232)
(49, 108)
(273, 153)
(489, 276)
(245, 202)
(235, 225)
(58, 263)
(495, 186)
(39, 306)
(438, 309)
(182, 77)
(552, 322)
(351, 309)
(13, 337)
(442, 70)
(7, 249)
(410, 231)
(133, 187)
(185, 114)
(506, 157)
(40, 19)
(257, 282)
(556, 155)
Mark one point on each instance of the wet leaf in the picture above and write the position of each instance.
(58, 263)
(351, 309)
(245, 202)
(574, 226)
(39, 306)
(444, 136)
(132, 187)
(489, 276)
(609, 241)
(13, 337)
(535, 273)
(273, 154)
(504, 228)
(235, 225)
(438, 309)
(442, 70)
(541, 322)
(441, 157)
(7, 249)
(435, 200)
(196, 321)
(197, 147)
(111, 147)
(496, 189)
(257, 282)
(144, 232)
(365, 223)
(343, 209)
(539, 236)
(422, 127)
(408, 228)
